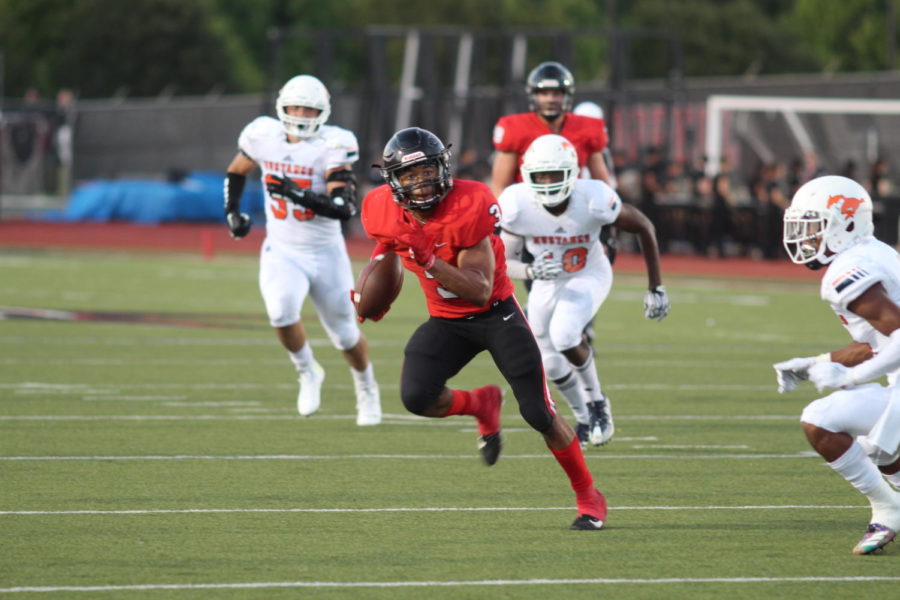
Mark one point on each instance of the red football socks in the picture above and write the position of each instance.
(480, 403)
(571, 460)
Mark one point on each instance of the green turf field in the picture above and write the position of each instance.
(150, 448)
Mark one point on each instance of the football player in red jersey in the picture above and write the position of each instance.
(443, 230)
(550, 88)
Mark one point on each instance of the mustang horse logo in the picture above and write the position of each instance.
(847, 206)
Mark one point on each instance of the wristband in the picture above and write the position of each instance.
(822, 358)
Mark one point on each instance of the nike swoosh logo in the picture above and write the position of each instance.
(596, 523)
(508, 317)
(441, 244)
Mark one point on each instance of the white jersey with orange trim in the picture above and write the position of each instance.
(867, 412)
(573, 236)
(851, 273)
(264, 141)
(558, 309)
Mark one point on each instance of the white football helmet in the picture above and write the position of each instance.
(589, 109)
(303, 90)
(827, 215)
(550, 153)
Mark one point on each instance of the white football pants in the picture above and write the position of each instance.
(558, 311)
(287, 276)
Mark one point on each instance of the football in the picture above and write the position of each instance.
(378, 285)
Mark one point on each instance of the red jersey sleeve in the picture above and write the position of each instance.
(587, 134)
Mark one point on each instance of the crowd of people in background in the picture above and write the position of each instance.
(727, 214)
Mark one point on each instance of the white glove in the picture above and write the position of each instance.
(544, 266)
(830, 375)
(656, 303)
(791, 372)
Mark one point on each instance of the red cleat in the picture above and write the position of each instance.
(490, 399)
(592, 514)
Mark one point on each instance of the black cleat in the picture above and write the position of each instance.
(490, 446)
(587, 523)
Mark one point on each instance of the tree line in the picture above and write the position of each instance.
(101, 48)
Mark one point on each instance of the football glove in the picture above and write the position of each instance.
(656, 303)
(789, 373)
(830, 375)
(287, 188)
(544, 266)
(354, 298)
(421, 245)
(335, 206)
(238, 224)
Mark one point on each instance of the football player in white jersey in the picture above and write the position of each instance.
(306, 169)
(557, 217)
(856, 428)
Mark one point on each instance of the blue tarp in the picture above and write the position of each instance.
(198, 197)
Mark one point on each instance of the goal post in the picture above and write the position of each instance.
(789, 107)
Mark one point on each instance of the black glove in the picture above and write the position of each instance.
(239, 224)
(288, 189)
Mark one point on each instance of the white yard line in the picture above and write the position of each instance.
(396, 417)
(412, 509)
(589, 456)
(426, 584)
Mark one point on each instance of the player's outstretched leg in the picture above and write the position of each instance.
(591, 503)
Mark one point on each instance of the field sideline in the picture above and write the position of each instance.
(149, 449)
(209, 240)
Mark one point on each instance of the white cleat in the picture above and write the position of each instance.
(602, 427)
(877, 537)
(310, 396)
(368, 405)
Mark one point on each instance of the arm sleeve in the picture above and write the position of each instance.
(234, 187)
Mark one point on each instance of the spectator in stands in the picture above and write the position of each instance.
(770, 202)
(651, 190)
(64, 121)
(703, 201)
(880, 186)
(720, 222)
(471, 166)
(849, 169)
(795, 177)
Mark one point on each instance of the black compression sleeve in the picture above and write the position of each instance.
(234, 187)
